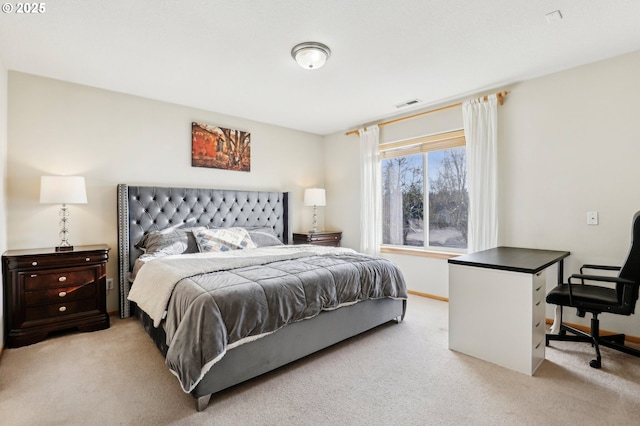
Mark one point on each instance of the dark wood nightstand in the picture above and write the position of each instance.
(47, 290)
(320, 238)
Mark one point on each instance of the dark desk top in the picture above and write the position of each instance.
(515, 259)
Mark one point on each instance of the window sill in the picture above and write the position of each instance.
(419, 252)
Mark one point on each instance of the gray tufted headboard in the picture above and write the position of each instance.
(142, 209)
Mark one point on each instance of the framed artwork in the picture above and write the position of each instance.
(220, 148)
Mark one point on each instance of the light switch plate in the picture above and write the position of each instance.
(592, 218)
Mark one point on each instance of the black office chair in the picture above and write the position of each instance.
(596, 299)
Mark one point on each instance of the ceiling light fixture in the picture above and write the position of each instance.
(310, 55)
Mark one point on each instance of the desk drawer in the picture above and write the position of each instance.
(539, 330)
(538, 297)
(537, 354)
(538, 311)
(539, 285)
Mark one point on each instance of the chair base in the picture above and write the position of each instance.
(613, 341)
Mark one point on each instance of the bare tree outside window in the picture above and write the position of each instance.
(403, 195)
(449, 200)
(403, 200)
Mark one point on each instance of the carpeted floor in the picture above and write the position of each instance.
(394, 375)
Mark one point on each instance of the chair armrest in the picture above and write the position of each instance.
(601, 278)
(601, 267)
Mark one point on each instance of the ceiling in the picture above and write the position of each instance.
(233, 56)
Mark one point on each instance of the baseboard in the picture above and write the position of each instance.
(633, 339)
(586, 329)
(427, 295)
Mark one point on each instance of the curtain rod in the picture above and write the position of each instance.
(500, 96)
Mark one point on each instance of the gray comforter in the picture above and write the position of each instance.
(211, 312)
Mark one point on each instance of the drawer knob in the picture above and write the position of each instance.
(62, 308)
(34, 263)
(62, 294)
(62, 279)
(88, 259)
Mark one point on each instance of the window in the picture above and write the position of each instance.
(424, 192)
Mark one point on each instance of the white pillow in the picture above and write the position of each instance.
(222, 239)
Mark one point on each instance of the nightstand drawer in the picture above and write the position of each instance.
(321, 238)
(58, 278)
(60, 295)
(59, 309)
(58, 260)
(324, 237)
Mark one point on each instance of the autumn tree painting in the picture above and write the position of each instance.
(220, 148)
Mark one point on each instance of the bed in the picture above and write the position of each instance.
(246, 351)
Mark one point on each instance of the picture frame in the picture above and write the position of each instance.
(220, 148)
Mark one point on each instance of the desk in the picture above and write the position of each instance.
(497, 307)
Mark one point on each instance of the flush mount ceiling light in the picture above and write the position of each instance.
(310, 55)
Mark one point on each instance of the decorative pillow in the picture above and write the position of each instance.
(222, 239)
(264, 237)
(169, 241)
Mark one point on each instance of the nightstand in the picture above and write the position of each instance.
(47, 290)
(320, 238)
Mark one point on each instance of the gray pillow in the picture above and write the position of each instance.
(169, 241)
(264, 237)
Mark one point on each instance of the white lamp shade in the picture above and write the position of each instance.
(62, 190)
(314, 197)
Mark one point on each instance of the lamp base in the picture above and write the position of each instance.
(64, 248)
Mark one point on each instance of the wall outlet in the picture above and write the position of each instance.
(592, 218)
(109, 283)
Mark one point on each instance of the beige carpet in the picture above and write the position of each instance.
(395, 375)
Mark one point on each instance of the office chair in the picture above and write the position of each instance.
(596, 299)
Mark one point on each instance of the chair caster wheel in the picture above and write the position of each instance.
(594, 363)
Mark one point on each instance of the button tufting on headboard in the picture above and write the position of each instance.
(143, 209)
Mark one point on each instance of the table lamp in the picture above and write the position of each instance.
(314, 197)
(63, 190)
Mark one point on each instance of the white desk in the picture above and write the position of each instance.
(497, 305)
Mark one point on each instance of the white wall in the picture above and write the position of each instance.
(3, 185)
(568, 144)
(61, 128)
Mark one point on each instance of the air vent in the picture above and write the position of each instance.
(412, 102)
(554, 16)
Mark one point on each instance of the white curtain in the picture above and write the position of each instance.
(370, 204)
(480, 119)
